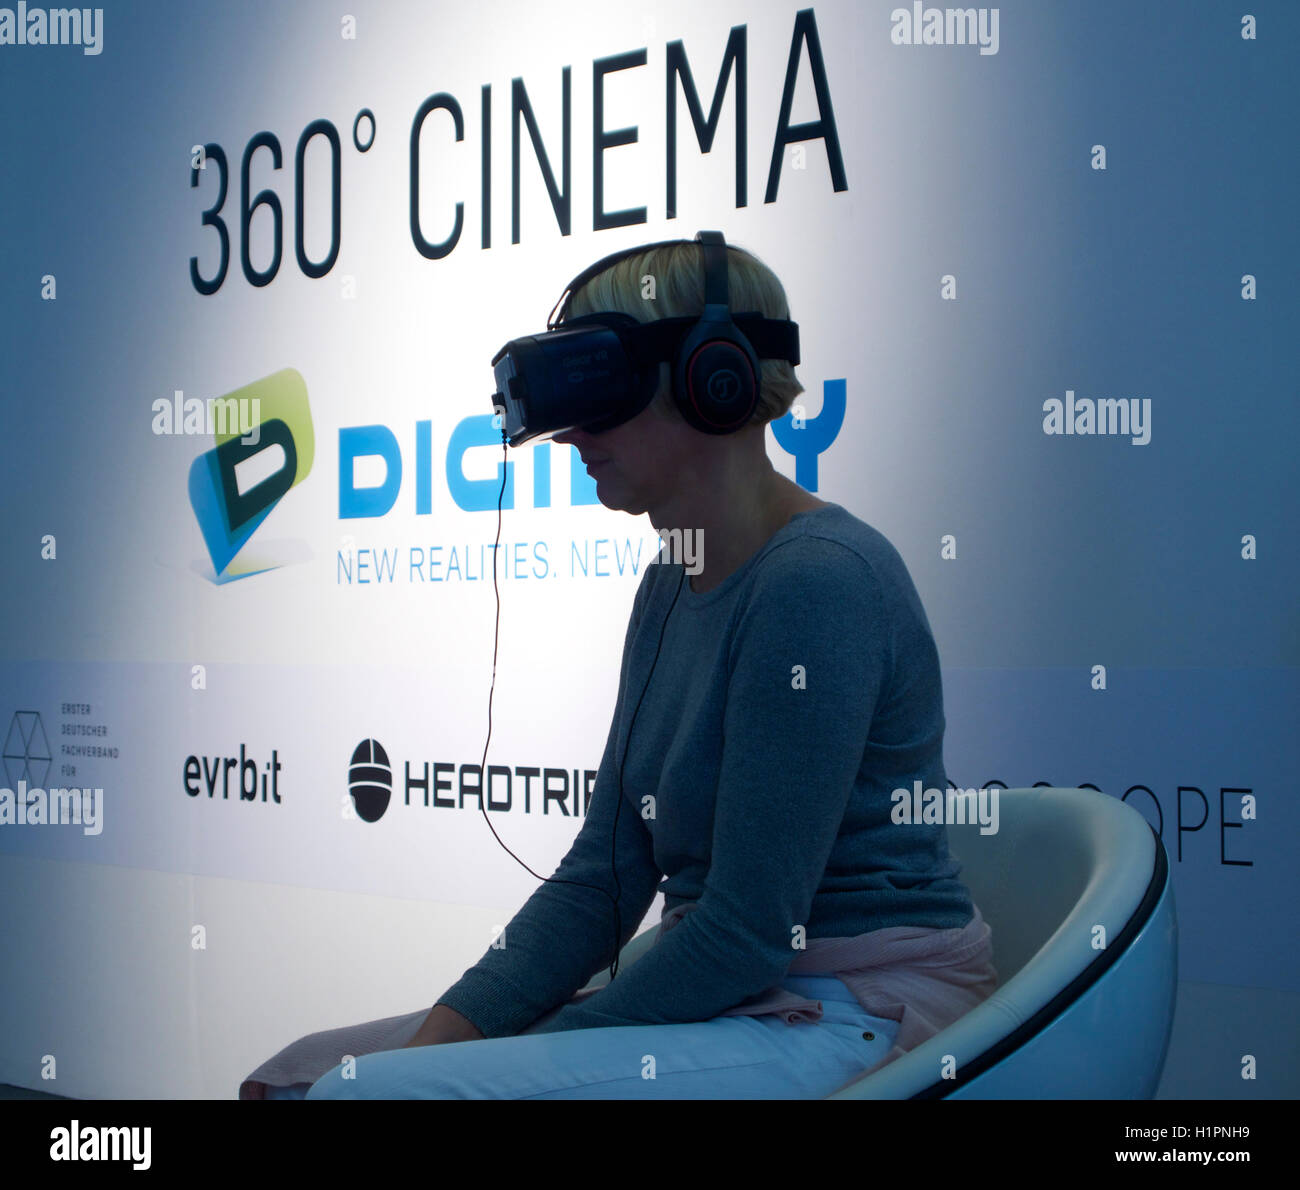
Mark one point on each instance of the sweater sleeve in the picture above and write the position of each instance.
(564, 933)
(810, 654)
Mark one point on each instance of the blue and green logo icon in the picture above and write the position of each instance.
(234, 486)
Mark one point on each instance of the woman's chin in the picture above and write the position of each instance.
(617, 498)
(609, 494)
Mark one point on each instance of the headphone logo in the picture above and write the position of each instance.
(723, 386)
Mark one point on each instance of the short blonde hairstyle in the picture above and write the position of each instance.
(678, 272)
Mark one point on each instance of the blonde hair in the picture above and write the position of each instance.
(678, 272)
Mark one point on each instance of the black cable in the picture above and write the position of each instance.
(483, 778)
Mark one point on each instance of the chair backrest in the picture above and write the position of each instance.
(1029, 876)
(1062, 863)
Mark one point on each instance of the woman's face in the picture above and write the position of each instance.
(639, 465)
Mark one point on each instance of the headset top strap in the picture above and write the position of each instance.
(657, 341)
(715, 271)
(715, 267)
(562, 306)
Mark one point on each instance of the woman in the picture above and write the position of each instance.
(778, 694)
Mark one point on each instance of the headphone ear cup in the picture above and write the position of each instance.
(716, 379)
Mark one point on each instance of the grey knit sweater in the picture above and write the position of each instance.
(786, 706)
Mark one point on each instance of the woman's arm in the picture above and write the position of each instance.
(808, 660)
(442, 1026)
(564, 932)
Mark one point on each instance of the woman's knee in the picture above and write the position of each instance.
(399, 1074)
(329, 1086)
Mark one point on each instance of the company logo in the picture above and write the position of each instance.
(367, 451)
(724, 385)
(370, 780)
(103, 1142)
(446, 785)
(945, 26)
(1123, 416)
(35, 806)
(234, 486)
(208, 775)
(27, 751)
(807, 438)
(952, 807)
(192, 416)
(58, 26)
(371, 472)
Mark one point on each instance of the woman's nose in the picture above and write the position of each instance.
(573, 437)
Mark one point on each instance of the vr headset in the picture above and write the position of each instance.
(600, 370)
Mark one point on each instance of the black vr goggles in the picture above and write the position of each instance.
(600, 370)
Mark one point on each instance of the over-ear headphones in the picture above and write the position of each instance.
(599, 370)
(715, 370)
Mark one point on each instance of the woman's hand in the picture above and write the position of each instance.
(444, 1026)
